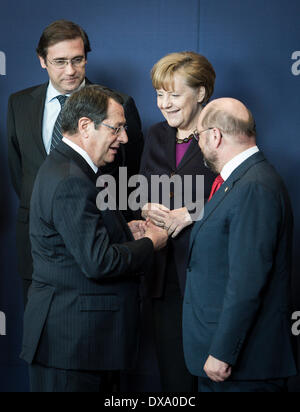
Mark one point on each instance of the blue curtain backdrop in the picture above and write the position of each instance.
(249, 42)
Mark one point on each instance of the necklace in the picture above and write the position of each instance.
(194, 135)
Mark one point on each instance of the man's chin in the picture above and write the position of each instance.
(108, 160)
(70, 87)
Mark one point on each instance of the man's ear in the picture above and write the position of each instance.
(217, 137)
(42, 62)
(84, 124)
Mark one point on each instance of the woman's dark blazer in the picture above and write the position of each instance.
(159, 158)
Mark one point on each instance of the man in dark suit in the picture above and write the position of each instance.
(237, 334)
(33, 123)
(81, 320)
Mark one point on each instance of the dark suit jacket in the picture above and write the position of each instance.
(83, 307)
(236, 304)
(26, 154)
(159, 158)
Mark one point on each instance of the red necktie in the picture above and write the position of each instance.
(216, 186)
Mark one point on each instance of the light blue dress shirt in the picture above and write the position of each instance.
(51, 112)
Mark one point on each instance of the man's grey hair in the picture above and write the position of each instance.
(229, 124)
(90, 102)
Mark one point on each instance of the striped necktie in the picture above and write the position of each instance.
(57, 136)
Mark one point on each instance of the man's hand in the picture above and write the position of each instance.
(158, 235)
(177, 220)
(138, 229)
(216, 370)
(157, 213)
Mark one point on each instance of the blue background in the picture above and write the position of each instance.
(249, 42)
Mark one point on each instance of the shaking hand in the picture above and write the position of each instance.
(177, 220)
(138, 229)
(158, 235)
(157, 213)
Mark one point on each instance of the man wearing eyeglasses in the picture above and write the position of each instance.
(81, 323)
(236, 322)
(34, 123)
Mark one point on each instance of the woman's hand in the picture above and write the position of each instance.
(138, 229)
(158, 214)
(177, 220)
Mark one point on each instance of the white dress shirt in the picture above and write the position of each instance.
(234, 163)
(51, 112)
(82, 153)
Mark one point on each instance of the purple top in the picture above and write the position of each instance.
(181, 150)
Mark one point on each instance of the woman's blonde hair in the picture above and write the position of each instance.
(196, 69)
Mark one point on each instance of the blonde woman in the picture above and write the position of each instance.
(184, 83)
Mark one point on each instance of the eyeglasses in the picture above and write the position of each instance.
(116, 130)
(62, 63)
(198, 134)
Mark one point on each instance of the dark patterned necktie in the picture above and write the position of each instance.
(216, 186)
(57, 136)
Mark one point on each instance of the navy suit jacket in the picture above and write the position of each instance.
(83, 305)
(236, 305)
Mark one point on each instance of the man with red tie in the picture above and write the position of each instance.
(237, 336)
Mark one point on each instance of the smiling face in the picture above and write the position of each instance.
(181, 106)
(102, 144)
(68, 79)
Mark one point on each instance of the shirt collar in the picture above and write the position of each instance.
(52, 93)
(82, 153)
(234, 163)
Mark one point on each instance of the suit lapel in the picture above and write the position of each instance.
(79, 160)
(170, 150)
(38, 106)
(169, 144)
(168, 153)
(224, 191)
(192, 151)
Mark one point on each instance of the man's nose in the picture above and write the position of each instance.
(70, 69)
(123, 137)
